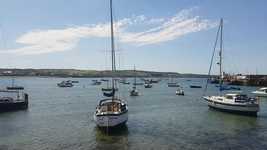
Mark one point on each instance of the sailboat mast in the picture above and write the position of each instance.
(221, 50)
(134, 77)
(113, 66)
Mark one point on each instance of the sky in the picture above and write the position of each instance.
(158, 35)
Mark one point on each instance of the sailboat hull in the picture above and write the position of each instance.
(111, 120)
(250, 110)
(13, 106)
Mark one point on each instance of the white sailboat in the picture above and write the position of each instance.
(112, 111)
(172, 83)
(134, 91)
(231, 102)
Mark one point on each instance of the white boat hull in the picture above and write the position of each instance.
(261, 94)
(111, 120)
(248, 109)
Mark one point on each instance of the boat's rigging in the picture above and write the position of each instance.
(113, 56)
(220, 54)
(213, 53)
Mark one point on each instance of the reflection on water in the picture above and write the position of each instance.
(62, 119)
(117, 137)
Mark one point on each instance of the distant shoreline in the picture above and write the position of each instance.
(75, 73)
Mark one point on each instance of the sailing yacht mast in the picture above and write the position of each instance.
(134, 77)
(220, 53)
(113, 66)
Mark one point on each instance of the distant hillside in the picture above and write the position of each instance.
(91, 73)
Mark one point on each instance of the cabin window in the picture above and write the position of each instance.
(220, 99)
(110, 107)
(241, 97)
(113, 107)
(104, 108)
(229, 97)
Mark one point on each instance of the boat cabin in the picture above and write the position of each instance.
(263, 90)
(239, 98)
(109, 106)
(11, 96)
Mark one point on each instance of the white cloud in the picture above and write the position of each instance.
(165, 29)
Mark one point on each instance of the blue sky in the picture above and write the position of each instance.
(159, 35)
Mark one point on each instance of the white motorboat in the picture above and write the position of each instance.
(180, 91)
(235, 103)
(262, 92)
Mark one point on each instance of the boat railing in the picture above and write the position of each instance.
(10, 91)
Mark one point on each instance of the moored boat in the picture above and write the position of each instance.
(111, 112)
(96, 82)
(134, 91)
(179, 91)
(65, 84)
(13, 100)
(195, 86)
(173, 84)
(262, 92)
(148, 85)
(15, 88)
(109, 89)
(231, 102)
(234, 103)
(138, 83)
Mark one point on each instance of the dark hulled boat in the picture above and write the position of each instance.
(13, 100)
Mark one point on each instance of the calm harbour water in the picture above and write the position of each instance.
(62, 119)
